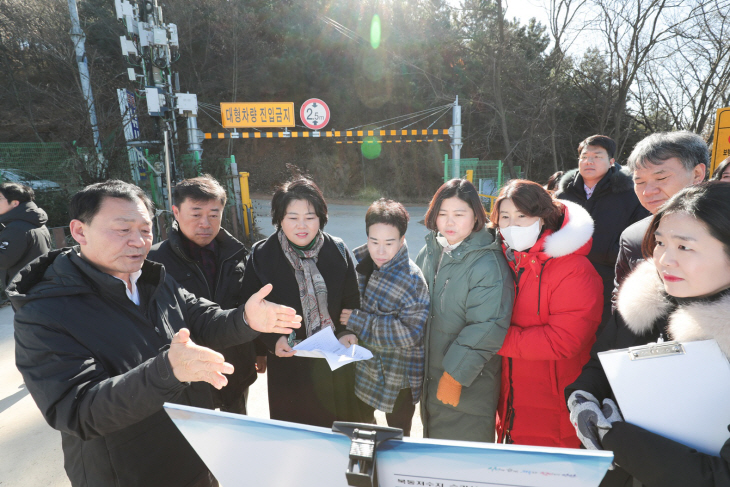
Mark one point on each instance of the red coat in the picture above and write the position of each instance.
(558, 304)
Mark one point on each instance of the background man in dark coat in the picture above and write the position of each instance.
(23, 233)
(606, 191)
(103, 339)
(208, 261)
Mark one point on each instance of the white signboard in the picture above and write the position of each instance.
(241, 450)
(315, 114)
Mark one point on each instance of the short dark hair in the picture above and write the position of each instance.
(298, 189)
(202, 188)
(708, 202)
(17, 192)
(465, 191)
(389, 212)
(86, 203)
(599, 141)
(720, 169)
(532, 200)
(689, 148)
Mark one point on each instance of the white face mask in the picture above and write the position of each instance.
(521, 238)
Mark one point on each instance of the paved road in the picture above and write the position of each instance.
(31, 450)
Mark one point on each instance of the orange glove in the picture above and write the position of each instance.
(449, 390)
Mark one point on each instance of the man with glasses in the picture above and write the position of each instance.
(606, 191)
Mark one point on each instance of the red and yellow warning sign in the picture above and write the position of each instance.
(251, 115)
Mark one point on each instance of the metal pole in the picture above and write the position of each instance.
(79, 40)
(456, 138)
(167, 175)
(193, 138)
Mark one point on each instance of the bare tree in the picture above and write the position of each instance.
(632, 32)
(685, 85)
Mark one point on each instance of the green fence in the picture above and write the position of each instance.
(487, 176)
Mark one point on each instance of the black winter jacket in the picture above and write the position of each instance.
(629, 253)
(305, 390)
(227, 294)
(96, 365)
(23, 238)
(613, 206)
(644, 313)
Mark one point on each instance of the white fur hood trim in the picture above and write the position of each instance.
(702, 321)
(642, 301)
(574, 235)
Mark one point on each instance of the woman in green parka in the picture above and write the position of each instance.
(472, 292)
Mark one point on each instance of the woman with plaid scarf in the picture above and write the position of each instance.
(390, 322)
(312, 272)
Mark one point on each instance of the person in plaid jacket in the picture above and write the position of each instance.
(394, 304)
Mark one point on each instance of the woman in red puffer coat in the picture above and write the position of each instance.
(558, 303)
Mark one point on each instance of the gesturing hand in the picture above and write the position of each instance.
(193, 363)
(266, 317)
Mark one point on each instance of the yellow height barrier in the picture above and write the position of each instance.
(491, 198)
(246, 203)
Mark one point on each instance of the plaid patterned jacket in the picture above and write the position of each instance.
(394, 304)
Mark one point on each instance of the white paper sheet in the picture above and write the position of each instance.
(323, 344)
(682, 397)
(241, 450)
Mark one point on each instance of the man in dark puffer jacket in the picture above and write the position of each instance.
(208, 261)
(23, 233)
(606, 191)
(103, 340)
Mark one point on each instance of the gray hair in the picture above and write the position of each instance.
(655, 149)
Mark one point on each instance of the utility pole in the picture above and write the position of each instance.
(153, 46)
(455, 133)
(79, 40)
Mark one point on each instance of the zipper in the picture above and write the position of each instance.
(509, 419)
(539, 285)
(443, 292)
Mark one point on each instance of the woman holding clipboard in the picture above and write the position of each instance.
(681, 292)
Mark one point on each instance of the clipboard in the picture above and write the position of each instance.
(677, 390)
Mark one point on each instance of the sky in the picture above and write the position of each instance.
(527, 9)
(524, 10)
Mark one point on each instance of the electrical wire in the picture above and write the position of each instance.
(401, 118)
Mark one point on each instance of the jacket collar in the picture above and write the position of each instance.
(642, 301)
(27, 212)
(573, 237)
(483, 239)
(228, 245)
(366, 266)
(618, 179)
(64, 273)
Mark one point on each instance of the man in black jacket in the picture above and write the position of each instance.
(606, 191)
(103, 339)
(23, 233)
(208, 261)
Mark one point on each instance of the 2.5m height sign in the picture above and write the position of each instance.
(315, 114)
